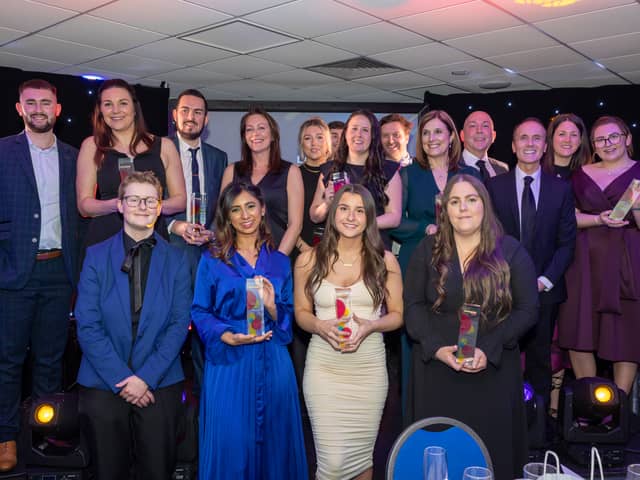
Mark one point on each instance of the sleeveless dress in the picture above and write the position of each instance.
(274, 190)
(345, 392)
(603, 282)
(108, 181)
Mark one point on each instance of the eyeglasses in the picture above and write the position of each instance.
(613, 139)
(134, 200)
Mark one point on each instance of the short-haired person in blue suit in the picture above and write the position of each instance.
(202, 166)
(38, 255)
(133, 306)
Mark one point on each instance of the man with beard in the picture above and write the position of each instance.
(478, 135)
(38, 255)
(203, 166)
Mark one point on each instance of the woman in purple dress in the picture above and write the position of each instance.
(603, 304)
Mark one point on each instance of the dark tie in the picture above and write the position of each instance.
(484, 173)
(195, 178)
(132, 267)
(528, 215)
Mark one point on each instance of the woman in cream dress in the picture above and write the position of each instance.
(345, 379)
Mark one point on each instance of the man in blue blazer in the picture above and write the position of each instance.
(39, 244)
(204, 175)
(134, 297)
(538, 209)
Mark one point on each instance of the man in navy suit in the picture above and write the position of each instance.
(538, 209)
(39, 227)
(203, 166)
(134, 297)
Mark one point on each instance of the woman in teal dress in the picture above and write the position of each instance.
(438, 153)
(250, 424)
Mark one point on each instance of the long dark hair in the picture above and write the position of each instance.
(487, 277)
(455, 147)
(374, 270)
(224, 243)
(245, 165)
(582, 155)
(102, 133)
(373, 172)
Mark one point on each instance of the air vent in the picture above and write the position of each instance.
(354, 68)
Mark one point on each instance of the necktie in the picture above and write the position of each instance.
(195, 178)
(484, 173)
(527, 215)
(132, 266)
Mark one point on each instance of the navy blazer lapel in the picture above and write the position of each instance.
(152, 289)
(24, 160)
(543, 198)
(121, 280)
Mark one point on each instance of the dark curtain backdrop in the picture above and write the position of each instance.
(508, 108)
(77, 97)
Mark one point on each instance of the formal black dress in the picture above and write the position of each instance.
(274, 190)
(310, 181)
(491, 401)
(108, 182)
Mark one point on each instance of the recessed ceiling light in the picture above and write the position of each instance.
(495, 85)
(460, 73)
(92, 77)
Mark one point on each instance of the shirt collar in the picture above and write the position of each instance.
(184, 146)
(520, 174)
(471, 159)
(52, 148)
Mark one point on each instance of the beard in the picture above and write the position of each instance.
(191, 134)
(41, 128)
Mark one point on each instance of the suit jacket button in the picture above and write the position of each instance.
(35, 215)
(34, 240)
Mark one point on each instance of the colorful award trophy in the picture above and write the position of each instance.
(198, 213)
(125, 166)
(343, 312)
(629, 197)
(255, 307)
(438, 206)
(339, 179)
(468, 333)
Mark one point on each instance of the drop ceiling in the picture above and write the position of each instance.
(267, 49)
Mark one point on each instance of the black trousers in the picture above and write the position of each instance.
(121, 434)
(536, 344)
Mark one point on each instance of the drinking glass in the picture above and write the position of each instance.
(435, 464)
(477, 473)
(534, 470)
(633, 472)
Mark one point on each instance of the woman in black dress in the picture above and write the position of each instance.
(280, 181)
(567, 145)
(469, 260)
(120, 133)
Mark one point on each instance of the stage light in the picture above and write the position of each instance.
(44, 413)
(594, 399)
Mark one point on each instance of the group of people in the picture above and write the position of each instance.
(533, 246)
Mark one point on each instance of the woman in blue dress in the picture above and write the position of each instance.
(250, 424)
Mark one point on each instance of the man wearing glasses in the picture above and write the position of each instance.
(132, 311)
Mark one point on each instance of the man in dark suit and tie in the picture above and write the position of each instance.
(478, 135)
(203, 166)
(134, 298)
(538, 209)
(39, 244)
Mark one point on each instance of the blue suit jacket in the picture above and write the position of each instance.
(103, 313)
(20, 211)
(554, 231)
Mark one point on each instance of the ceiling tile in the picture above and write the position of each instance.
(240, 37)
(380, 96)
(57, 50)
(101, 33)
(444, 90)
(617, 45)
(475, 69)
(132, 65)
(328, 17)
(75, 5)
(304, 54)
(601, 23)
(179, 51)
(340, 89)
(508, 40)
(83, 70)
(587, 82)
(252, 88)
(235, 7)
(533, 13)
(399, 80)
(541, 57)
(458, 21)
(399, 8)
(28, 63)
(245, 66)
(175, 16)
(566, 72)
(632, 76)
(14, 15)
(379, 37)
(422, 56)
(9, 34)
(627, 63)
(474, 84)
(195, 76)
(298, 78)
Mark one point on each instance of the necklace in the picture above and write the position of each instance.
(351, 263)
(310, 169)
